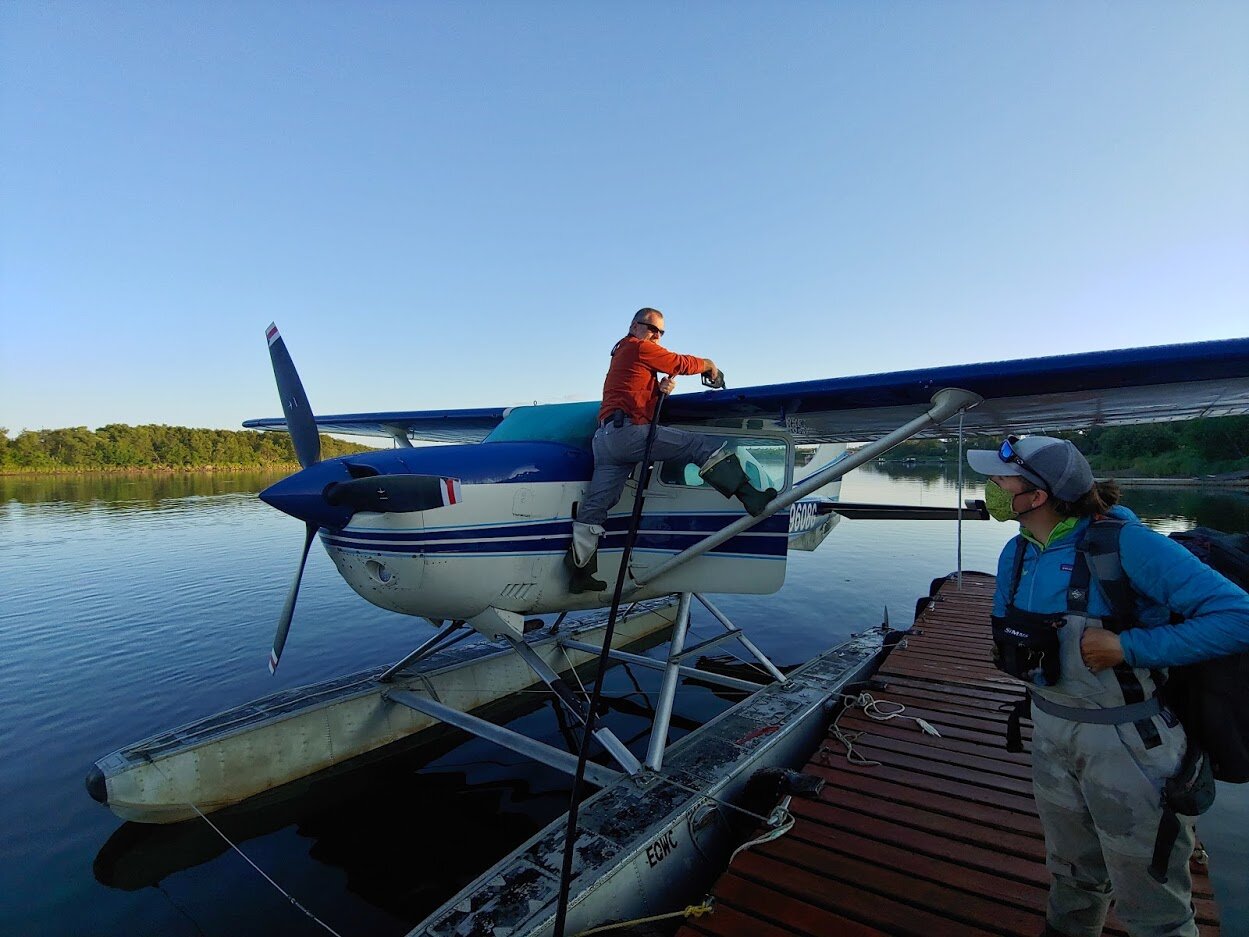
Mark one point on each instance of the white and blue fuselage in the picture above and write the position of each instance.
(497, 540)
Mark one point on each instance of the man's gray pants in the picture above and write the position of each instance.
(617, 449)
(1098, 791)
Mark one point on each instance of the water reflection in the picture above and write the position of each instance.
(930, 472)
(136, 602)
(128, 492)
(1222, 508)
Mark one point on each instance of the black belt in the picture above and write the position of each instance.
(617, 417)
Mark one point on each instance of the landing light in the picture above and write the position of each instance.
(378, 572)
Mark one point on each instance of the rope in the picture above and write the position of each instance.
(723, 803)
(229, 842)
(781, 821)
(693, 910)
(872, 708)
(573, 670)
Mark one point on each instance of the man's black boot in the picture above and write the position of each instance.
(724, 473)
(582, 577)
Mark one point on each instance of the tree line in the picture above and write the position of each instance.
(119, 447)
(1180, 449)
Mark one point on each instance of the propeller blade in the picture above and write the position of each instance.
(288, 610)
(394, 493)
(300, 422)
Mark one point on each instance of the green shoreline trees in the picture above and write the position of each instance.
(1181, 449)
(118, 447)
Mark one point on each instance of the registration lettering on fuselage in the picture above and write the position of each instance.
(661, 848)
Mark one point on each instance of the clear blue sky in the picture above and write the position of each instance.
(461, 204)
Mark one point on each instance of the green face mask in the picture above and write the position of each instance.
(999, 501)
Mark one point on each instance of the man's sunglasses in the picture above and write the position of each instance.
(1006, 452)
(654, 328)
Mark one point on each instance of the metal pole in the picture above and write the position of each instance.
(946, 403)
(960, 501)
(605, 736)
(759, 655)
(668, 689)
(574, 805)
(391, 671)
(501, 735)
(638, 660)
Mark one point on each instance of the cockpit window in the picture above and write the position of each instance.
(763, 460)
(572, 424)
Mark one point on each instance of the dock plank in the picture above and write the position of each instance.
(938, 835)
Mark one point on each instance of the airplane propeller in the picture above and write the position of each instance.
(300, 422)
(288, 610)
(307, 442)
(320, 495)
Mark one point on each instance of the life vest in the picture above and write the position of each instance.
(1044, 648)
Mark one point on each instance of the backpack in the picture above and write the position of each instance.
(1211, 698)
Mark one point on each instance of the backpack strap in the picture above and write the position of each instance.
(1021, 547)
(1097, 556)
(1021, 709)
(1099, 550)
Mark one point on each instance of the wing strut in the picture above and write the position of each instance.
(945, 403)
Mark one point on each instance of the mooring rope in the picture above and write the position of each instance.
(246, 858)
(872, 708)
(781, 821)
(693, 910)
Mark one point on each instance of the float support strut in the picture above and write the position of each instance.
(668, 689)
(576, 707)
(945, 403)
(521, 744)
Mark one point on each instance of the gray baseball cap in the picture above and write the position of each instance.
(1053, 464)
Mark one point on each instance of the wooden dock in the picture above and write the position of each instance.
(941, 836)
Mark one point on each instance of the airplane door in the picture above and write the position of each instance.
(681, 509)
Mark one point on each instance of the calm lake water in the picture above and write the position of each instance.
(134, 604)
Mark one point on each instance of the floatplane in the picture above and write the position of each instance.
(470, 535)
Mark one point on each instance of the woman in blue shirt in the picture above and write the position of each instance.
(1103, 746)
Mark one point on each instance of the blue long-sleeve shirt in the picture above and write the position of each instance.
(1165, 577)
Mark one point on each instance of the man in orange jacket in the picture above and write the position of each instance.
(630, 391)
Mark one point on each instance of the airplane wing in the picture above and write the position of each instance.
(1135, 385)
(1103, 388)
(447, 426)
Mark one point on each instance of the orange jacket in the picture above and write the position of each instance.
(632, 381)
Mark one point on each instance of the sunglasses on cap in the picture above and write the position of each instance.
(1006, 452)
(654, 328)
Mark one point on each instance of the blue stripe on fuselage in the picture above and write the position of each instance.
(760, 546)
(669, 533)
(693, 522)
